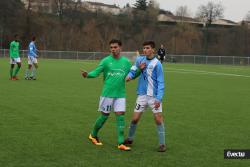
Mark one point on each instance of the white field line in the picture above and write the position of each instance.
(186, 71)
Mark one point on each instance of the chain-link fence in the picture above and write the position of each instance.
(75, 55)
(193, 59)
(197, 59)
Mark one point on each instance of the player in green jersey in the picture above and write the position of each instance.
(14, 58)
(114, 68)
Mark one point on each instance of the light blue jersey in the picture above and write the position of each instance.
(32, 50)
(151, 79)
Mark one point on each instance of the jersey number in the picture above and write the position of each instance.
(137, 106)
(108, 108)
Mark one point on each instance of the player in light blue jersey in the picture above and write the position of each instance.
(150, 91)
(30, 73)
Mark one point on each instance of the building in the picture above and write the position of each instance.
(224, 22)
(168, 18)
(44, 6)
(172, 19)
(96, 6)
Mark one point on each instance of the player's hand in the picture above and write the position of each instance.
(84, 73)
(142, 66)
(157, 104)
(128, 79)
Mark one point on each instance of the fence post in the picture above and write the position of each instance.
(233, 60)
(219, 59)
(248, 61)
(183, 59)
(5, 56)
(77, 55)
(194, 59)
(206, 59)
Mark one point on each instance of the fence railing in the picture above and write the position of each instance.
(76, 55)
(198, 59)
(193, 59)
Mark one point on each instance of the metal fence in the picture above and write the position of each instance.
(75, 55)
(193, 59)
(197, 59)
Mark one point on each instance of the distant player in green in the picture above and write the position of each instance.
(114, 68)
(14, 58)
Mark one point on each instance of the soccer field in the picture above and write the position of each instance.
(45, 123)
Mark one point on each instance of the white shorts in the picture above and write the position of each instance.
(32, 60)
(106, 104)
(15, 60)
(143, 101)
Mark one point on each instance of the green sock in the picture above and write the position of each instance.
(120, 128)
(11, 72)
(16, 71)
(98, 124)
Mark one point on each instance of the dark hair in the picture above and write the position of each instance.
(116, 41)
(151, 43)
(33, 38)
(16, 35)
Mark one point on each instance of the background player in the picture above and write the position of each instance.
(161, 53)
(32, 61)
(14, 58)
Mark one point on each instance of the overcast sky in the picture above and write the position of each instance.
(235, 10)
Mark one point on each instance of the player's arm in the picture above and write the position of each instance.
(31, 50)
(164, 53)
(160, 81)
(159, 52)
(35, 50)
(11, 49)
(94, 73)
(137, 73)
(134, 70)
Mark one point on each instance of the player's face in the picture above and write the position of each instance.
(17, 38)
(148, 50)
(115, 49)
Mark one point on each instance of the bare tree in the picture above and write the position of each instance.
(61, 5)
(182, 11)
(247, 18)
(152, 10)
(210, 12)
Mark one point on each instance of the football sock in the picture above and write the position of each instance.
(26, 73)
(98, 124)
(16, 71)
(33, 74)
(120, 128)
(161, 133)
(131, 131)
(11, 72)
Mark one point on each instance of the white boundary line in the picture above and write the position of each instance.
(185, 71)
